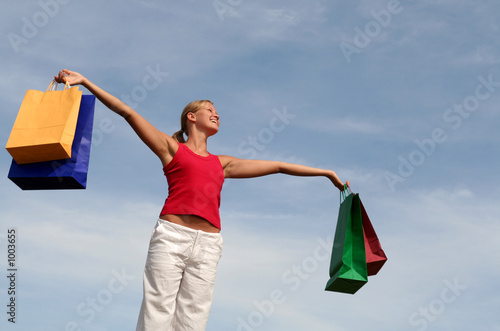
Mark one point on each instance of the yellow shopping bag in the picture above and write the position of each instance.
(44, 129)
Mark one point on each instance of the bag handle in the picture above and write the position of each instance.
(53, 86)
(343, 194)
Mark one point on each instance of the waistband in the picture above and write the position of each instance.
(185, 229)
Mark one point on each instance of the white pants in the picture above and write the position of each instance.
(179, 278)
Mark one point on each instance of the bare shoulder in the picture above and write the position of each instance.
(226, 159)
(172, 146)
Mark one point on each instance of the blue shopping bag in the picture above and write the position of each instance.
(66, 173)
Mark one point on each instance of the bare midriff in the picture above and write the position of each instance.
(192, 222)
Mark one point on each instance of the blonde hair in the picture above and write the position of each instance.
(191, 107)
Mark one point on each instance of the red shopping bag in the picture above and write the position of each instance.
(375, 255)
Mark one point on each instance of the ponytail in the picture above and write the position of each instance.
(179, 136)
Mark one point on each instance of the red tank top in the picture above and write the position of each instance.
(194, 185)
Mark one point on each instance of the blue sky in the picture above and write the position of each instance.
(399, 97)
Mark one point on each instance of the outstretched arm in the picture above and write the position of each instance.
(160, 143)
(240, 168)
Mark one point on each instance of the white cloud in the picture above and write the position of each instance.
(344, 125)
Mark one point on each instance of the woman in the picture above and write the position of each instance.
(186, 245)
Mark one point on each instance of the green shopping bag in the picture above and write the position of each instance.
(348, 272)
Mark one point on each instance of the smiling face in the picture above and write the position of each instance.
(210, 111)
(205, 118)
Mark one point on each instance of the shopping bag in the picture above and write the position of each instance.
(66, 173)
(45, 125)
(348, 271)
(375, 255)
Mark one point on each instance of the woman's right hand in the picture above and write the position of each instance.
(72, 77)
